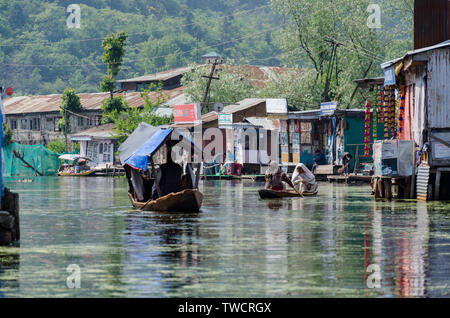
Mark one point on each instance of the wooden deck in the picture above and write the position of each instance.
(258, 178)
(349, 179)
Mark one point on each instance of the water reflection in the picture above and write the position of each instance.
(238, 246)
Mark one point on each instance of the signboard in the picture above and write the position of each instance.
(187, 114)
(328, 108)
(225, 119)
(276, 106)
(389, 76)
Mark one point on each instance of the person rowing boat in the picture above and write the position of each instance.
(304, 180)
(275, 178)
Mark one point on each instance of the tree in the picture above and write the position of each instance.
(70, 105)
(128, 120)
(115, 105)
(57, 146)
(235, 84)
(336, 43)
(114, 50)
(7, 132)
(297, 86)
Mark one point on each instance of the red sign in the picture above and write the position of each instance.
(9, 91)
(187, 114)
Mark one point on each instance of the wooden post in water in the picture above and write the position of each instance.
(9, 218)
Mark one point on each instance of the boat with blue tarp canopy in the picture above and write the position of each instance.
(159, 182)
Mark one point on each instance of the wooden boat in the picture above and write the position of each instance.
(189, 200)
(80, 174)
(70, 170)
(271, 194)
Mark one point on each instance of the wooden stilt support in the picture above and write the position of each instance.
(437, 185)
(9, 218)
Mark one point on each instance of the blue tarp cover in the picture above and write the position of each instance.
(139, 160)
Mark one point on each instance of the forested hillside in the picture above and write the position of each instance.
(39, 54)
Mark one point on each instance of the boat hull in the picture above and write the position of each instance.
(271, 194)
(186, 201)
(83, 174)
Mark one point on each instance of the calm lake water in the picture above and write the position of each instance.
(238, 246)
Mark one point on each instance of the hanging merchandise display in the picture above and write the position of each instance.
(367, 130)
(386, 112)
(380, 105)
(396, 115)
(376, 111)
(392, 102)
(401, 114)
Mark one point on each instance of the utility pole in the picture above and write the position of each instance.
(210, 78)
(335, 45)
(65, 129)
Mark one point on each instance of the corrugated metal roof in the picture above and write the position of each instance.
(161, 76)
(268, 124)
(244, 104)
(89, 101)
(100, 132)
(414, 52)
(258, 74)
(438, 88)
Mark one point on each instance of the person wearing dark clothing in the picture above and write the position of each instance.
(319, 160)
(346, 160)
(168, 178)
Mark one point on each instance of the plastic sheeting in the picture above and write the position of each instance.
(393, 158)
(139, 160)
(44, 160)
(136, 140)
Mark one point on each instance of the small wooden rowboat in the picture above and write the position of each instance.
(185, 201)
(271, 194)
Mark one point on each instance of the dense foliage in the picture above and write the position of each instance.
(70, 105)
(39, 54)
(7, 132)
(128, 119)
(339, 43)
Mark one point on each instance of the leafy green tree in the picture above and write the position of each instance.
(128, 120)
(334, 40)
(8, 134)
(115, 105)
(70, 105)
(114, 50)
(57, 146)
(235, 84)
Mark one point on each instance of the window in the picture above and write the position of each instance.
(13, 124)
(56, 121)
(98, 120)
(23, 124)
(80, 121)
(35, 124)
(101, 149)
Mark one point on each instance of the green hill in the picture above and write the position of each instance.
(39, 54)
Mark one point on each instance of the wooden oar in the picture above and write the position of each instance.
(146, 204)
